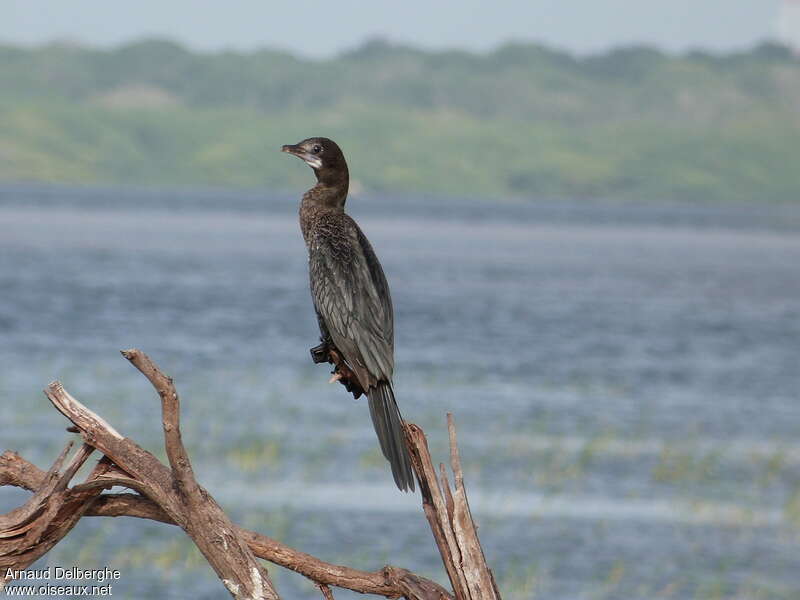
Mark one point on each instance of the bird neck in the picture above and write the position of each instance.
(330, 195)
(318, 201)
(333, 181)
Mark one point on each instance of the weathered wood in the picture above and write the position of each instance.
(450, 518)
(167, 494)
(434, 507)
(29, 532)
(390, 582)
(326, 591)
(203, 519)
(480, 578)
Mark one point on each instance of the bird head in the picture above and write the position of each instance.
(321, 154)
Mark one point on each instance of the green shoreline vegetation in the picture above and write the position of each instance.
(521, 121)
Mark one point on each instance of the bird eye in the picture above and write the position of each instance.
(316, 149)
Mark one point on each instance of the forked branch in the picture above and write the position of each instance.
(172, 495)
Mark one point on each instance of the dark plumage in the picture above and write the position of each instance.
(351, 298)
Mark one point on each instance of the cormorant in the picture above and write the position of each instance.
(351, 298)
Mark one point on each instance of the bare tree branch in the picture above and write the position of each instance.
(201, 518)
(480, 579)
(390, 582)
(30, 531)
(326, 591)
(172, 495)
(170, 420)
(204, 520)
(450, 519)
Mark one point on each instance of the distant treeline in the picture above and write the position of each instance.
(523, 120)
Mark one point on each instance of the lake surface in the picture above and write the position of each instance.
(624, 379)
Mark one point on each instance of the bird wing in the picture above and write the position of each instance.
(352, 297)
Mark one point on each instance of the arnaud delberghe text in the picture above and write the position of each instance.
(63, 573)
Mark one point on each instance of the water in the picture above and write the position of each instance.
(624, 380)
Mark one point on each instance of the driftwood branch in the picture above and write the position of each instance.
(450, 519)
(196, 513)
(172, 495)
(28, 532)
(390, 582)
(326, 591)
(201, 517)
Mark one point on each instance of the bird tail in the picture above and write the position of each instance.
(389, 427)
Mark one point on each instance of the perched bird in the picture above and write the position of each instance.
(351, 298)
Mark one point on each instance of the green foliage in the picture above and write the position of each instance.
(520, 121)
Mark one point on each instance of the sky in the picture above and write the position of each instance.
(319, 29)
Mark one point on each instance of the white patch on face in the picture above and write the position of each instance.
(313, 161)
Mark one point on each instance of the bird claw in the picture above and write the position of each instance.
(320, 353)
(341, 373)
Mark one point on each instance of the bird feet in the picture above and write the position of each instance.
(341, 372)
(321, 353)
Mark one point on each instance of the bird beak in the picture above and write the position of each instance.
(311, 160)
